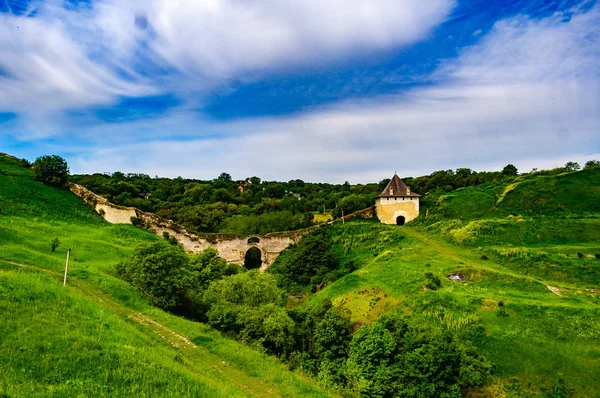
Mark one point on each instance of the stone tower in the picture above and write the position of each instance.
(397, 204)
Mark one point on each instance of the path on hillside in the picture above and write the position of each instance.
(195, 358)
(451, 251)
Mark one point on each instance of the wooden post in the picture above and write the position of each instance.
(66, 267)
(343, 217)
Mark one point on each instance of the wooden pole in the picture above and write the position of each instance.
(66, 267)
(343, 217)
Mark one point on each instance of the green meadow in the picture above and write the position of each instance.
(98, 336)
(527, 253)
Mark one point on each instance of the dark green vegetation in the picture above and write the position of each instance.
(255, 207)
(52, 170)
(98, 336)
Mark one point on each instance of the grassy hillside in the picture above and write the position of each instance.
(98, 336)
(531, 277)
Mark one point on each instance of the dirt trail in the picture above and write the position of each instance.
(197, 358)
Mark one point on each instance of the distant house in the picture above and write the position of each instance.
(240, 187)
(397, 204)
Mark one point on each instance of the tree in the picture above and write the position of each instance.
(51, 170)
(592, 164)
(572, 166)
(307, 263)
(509, 170)
(161, 272)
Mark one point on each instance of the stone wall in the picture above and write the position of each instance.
(389, 209)
(231, 247)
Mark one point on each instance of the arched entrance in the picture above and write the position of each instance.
(253, 258)
(400, 220)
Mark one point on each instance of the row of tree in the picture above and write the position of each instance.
(252, 206)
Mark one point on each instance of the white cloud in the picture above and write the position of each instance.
(497, 103)
(88, 56)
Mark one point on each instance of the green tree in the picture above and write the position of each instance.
(592, 164)
(509, 170)
(332, 337)
(306, 264)
(51, 170)
(396, 357)
(572, 166)
(161, 272)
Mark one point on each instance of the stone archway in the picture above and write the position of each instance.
(400, 220)
(253, 258)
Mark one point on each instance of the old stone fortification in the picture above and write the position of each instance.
(389, 209)
(231, 247)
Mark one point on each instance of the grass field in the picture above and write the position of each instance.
(531, 279)
(98, 336)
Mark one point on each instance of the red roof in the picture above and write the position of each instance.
(397, 188)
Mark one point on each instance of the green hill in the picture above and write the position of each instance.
(527, 251)
(98, 336)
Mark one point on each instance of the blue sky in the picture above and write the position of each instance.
(323, 90)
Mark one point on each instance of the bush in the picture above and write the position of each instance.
(54, 244)
(432, 282)
(51, 170)
(580, 255)
(484, 257)
(597, 255)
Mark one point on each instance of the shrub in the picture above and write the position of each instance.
(597, 255)
(432, 282)
(51, 170)
(484, 257)
(54, 244)
(580, 255)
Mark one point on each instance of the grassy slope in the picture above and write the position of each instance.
(98, 337)
(533, 336)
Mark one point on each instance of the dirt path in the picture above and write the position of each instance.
(195, 358)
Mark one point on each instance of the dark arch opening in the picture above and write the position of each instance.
(253, 239)
(252, 259)
(400, 220)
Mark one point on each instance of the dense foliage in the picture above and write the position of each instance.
(308, 263)
(395, 357)
(51, 170)
(252, 206)
(172, 279)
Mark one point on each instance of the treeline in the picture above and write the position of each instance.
(252, 206)
(397, 356)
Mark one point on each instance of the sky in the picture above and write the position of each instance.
(320, 90)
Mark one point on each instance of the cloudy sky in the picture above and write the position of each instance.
(322, 90)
